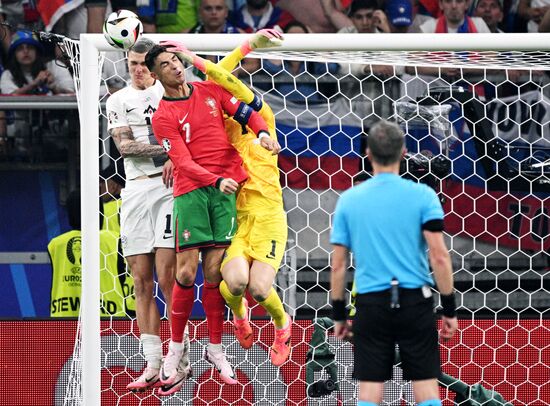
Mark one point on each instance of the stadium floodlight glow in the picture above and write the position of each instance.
(487, 193)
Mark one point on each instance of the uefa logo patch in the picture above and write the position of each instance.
(166, 144)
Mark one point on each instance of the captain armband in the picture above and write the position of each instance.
(256, 103)
(243, 113)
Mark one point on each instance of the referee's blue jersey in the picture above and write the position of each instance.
(380, 221)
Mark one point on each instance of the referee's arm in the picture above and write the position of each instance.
(440, 261)
(339, 266)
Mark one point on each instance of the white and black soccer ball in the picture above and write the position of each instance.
(122, 29)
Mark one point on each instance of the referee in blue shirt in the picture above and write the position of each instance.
(392, 226)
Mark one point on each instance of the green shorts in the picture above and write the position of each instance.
(204, 217)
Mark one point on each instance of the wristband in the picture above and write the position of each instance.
(262, 134)
(449, 305)
(338, 310)
(219, 182)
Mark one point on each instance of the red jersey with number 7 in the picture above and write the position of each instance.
(192, 132)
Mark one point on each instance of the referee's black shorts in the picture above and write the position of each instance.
(377, 328)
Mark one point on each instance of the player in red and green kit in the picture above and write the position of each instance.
(189, 123)
(256, 251)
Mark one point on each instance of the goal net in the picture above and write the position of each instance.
(476, 113)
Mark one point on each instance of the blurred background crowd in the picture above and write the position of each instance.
(32, 67)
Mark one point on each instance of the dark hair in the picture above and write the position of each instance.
(17, 72)
(152, 55)
(385, 143)
(142, 46)
(295, 23)
(357, 5)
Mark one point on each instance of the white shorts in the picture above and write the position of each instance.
(146, 216)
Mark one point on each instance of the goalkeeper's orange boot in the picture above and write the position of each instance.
(280, 350)
(149, 378)
(243, 330)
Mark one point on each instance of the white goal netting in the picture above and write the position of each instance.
(478, 132)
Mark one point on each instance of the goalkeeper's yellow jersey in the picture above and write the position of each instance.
(262, 189)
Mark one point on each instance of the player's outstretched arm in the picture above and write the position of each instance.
(266, 38)
(214, 72)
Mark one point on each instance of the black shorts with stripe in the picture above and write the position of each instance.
(377, 328)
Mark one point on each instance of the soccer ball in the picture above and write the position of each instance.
(122, 29)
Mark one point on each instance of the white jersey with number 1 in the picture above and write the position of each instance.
(134, 108)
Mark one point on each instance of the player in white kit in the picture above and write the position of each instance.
(146, 212)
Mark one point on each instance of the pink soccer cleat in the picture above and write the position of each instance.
(243, 330)
(280, 350)
(169, 369)
(181, 376)
(148, 379)
(222, 365)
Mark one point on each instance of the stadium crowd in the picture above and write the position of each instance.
(32, 67)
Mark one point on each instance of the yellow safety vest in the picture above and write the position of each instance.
(65, 253)
(111, 217)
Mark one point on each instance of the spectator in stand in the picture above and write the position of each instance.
(64, 18)
(27, 72)
(364, 85)
(368, 17)
(310, 14)
(399, 16)
(491, 12)
(258, 14)
(168, 16)
(292, 89)
(454, 20)
(213, 19)
(65, 255)
(533, 11)
(22, 14)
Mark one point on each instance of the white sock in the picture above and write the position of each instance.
(152, 349)
(215, 348)
(178, 347)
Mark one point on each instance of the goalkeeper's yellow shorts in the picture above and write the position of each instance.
(261, 236)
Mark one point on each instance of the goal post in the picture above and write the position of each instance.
(526, 52)
(88, 104)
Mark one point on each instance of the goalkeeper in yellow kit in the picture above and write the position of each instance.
(256, 251)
